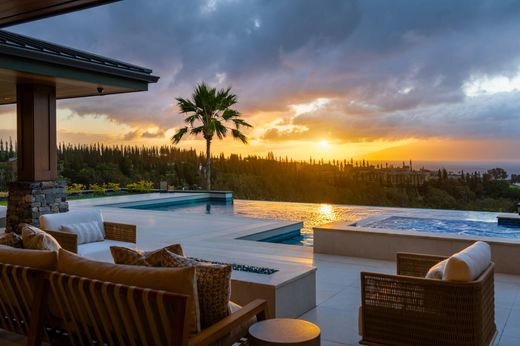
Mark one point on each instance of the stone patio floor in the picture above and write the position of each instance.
(338, 283)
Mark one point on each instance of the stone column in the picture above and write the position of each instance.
(36, 192)
(29, 200)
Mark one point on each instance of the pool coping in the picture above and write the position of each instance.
(340, 238)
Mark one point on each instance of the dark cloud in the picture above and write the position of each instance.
(131, 135)
(491, 117)
(148, 134)
(394, 68)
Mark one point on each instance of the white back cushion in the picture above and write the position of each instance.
(468, 264)
(54, 222)
(88, 232)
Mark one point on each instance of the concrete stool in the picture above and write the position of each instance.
(284, 331)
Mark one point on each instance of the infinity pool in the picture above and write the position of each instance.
(314, 214)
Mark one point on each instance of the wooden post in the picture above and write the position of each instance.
(36, 122)
(36, 190)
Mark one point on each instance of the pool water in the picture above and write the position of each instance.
(467, 223)
(440, 226)
(312, 214)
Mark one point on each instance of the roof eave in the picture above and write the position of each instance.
(83, 65)
(23, 14)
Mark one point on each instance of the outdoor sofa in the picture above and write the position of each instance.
(46, 296)
(411, 309)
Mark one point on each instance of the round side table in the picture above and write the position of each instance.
(284, 331)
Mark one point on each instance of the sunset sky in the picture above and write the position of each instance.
(386, 80)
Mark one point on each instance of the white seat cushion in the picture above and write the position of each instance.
(100, 250)
(468, 264)
(54, 222)
(88, 232)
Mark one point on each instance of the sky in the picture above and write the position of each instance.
(431, 80)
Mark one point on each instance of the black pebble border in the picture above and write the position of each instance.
(242, 267)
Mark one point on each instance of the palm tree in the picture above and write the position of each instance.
(208, 113)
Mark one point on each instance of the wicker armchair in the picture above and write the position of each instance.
(408, 309)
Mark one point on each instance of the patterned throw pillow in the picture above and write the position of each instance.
(11, 239)
(88, 232)
(213, 286)
(154, 257)
(129, 256)
(36, 239)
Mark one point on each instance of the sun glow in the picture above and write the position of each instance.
(324, 143)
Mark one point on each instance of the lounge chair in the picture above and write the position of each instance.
(409, 309)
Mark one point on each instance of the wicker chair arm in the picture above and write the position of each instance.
(120, 232)
(222, 328)
(67, 240)
(416, 264)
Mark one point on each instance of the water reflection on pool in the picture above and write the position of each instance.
(312, 214)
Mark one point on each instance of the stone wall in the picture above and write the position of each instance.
(28, 200)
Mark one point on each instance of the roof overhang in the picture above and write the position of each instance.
(74, 73)
(20, 11)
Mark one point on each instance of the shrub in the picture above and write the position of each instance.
(74, 188)
(140, 186)
(98, 189)
(114, 187)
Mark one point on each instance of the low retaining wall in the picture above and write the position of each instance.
(289, 299)
(341, 239)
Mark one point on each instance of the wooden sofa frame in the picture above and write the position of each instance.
(113, 231)
(408, 309)
(40, 304)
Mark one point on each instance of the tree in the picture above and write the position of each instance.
(208, 112)
(498, 173)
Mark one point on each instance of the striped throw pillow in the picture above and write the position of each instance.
(88, 232)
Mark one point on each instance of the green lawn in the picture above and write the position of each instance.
(4, 203)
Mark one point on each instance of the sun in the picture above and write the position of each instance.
(324, 143)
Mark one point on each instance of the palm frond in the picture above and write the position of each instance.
(176, 138)
(192, 118)
(241, 122)
(186, 106)
(230, 113)
(219, 129)
(197, 130)
(239, 135)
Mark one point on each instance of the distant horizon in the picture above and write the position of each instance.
(454, 166)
